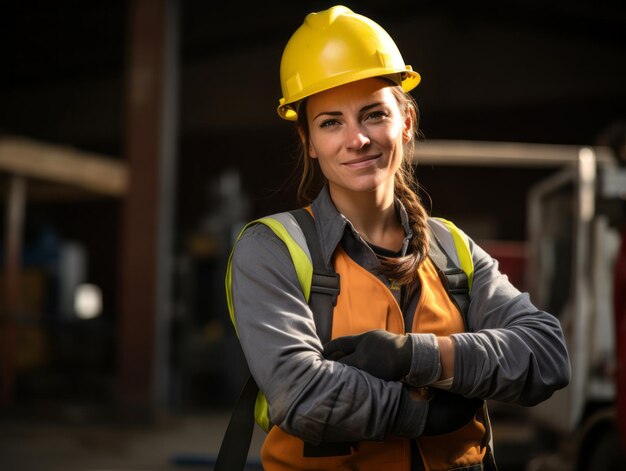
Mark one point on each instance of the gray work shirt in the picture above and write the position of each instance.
(513, 352)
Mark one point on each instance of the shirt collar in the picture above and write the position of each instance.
(331, 224)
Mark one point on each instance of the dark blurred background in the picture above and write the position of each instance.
(177, 100)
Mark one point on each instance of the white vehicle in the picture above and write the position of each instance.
(570, 253)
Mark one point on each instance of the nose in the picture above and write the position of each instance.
(356, 137)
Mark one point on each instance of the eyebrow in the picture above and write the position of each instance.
(339, 113)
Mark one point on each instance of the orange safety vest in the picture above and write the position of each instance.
(364, 304)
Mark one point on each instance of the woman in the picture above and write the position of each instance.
(401, 384)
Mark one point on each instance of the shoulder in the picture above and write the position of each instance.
(445, 227)
(451, 247)
(448, 236)
(278, 226)
(276, 231)
(257, 236)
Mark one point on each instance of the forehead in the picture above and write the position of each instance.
(359, 93)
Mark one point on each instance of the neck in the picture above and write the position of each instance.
(372, 214)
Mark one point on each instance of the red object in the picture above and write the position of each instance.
(620, 334)
(512, 259)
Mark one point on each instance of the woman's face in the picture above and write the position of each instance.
(357, 132)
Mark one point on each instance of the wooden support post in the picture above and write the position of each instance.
(150, 138)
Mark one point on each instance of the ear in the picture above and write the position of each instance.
(407, 130)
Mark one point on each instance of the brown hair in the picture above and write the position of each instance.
(403, 270)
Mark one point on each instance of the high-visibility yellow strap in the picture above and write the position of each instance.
(462, 249)
(304, 271)
(261, 412)
(229, 281)
(302, 263)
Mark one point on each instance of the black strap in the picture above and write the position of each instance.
(453, 278)
(235, 445)
(323, 298)
(325, 282)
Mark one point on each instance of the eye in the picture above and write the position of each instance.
(328, 123)
(376, 115)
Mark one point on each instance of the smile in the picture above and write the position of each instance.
(362, 162)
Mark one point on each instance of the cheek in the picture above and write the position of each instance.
(396, 140)
(399, 132)
(398, 151)
(321, 146)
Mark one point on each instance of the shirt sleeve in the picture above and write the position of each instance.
(309, 397)
(514, 352)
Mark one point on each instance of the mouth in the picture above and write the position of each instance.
(361, 162)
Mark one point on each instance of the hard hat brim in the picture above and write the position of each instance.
(407, 78)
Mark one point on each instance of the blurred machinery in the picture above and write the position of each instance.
(576, 220)
(575, 224)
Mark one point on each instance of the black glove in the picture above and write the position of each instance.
(382, 354)
(448, 412)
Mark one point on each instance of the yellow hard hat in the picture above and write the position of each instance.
(334, 47)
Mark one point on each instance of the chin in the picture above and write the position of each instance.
(363, 188)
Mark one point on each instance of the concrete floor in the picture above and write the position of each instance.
(174, 443)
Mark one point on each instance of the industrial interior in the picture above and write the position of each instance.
(137, 137)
